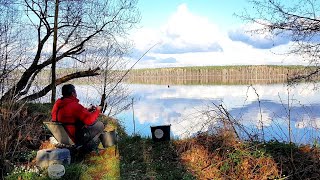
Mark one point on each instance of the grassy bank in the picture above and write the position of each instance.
(205, 156)
(202, 157)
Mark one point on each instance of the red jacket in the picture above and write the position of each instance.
(69, 111)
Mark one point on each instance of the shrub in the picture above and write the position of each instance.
(20, 131)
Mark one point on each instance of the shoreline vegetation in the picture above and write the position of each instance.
(195, 75)
(218, 155)
(229, 75)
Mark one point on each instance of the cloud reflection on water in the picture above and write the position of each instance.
(255, 107)
(181, 106)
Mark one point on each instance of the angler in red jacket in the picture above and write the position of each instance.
(80, 123)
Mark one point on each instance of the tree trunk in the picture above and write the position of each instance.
(54, 53)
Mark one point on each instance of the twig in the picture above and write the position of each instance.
(134, 122)
(129, 71)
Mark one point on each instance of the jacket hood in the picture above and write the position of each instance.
(65, 101)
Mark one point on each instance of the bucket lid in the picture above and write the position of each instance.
(56, 171)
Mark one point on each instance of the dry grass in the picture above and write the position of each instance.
(222, 156)
(20, 132)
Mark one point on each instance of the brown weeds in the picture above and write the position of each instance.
(223, 156)
(20, 131)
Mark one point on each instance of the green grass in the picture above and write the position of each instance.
(23, 175)
(142, 158)
(136, 158)
(103, 164)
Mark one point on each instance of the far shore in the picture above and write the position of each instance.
(196, 75)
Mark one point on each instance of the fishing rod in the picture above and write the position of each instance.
(103, 104)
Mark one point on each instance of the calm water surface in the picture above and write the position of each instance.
(254, 106)
(257, 107)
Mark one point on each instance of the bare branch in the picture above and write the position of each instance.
(82, 26)
(61, 80)
(298, 22)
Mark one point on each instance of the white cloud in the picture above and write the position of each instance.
(145, 38)
(194, 40)
(187, 31)
(254, 34)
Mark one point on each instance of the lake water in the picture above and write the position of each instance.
(261, 109)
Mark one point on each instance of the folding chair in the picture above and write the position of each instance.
(58, 131)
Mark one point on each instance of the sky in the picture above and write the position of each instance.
(203, 33)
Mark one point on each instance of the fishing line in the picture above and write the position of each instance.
(103, 98)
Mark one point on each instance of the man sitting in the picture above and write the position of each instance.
(79, 122)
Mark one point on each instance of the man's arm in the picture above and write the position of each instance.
(88, 118)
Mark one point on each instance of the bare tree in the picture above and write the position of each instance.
(114, 92)
(298, 21)
(10, 43)
(81, 25)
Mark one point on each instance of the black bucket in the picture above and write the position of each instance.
(109, 138)
(160, 133)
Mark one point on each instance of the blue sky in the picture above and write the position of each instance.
(157, 12)
(202, 33)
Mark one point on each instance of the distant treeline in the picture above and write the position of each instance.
(260, 74)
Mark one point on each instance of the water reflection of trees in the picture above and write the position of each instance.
(189, 80)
